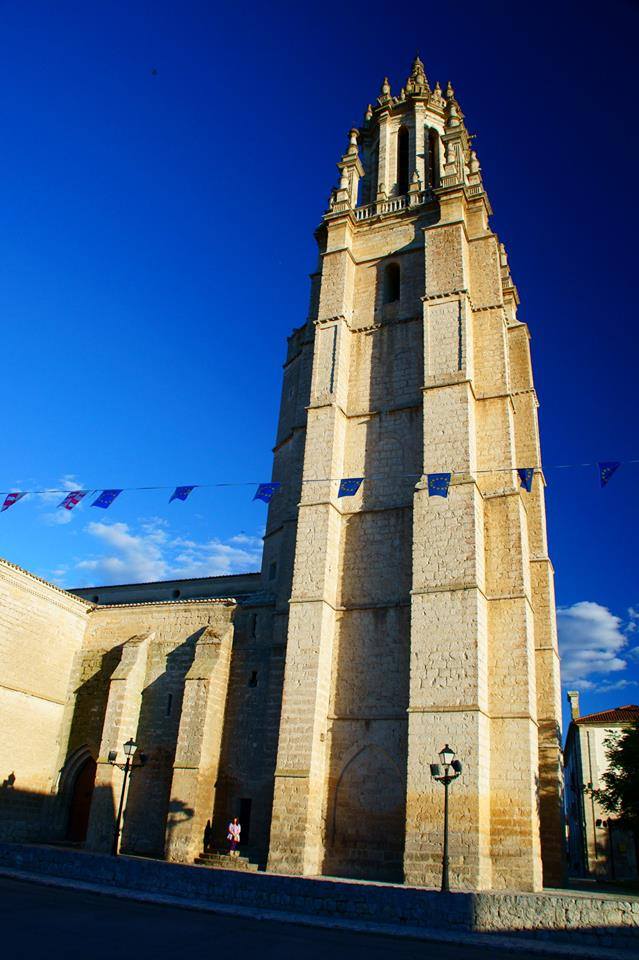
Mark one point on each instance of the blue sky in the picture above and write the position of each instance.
(162, 171)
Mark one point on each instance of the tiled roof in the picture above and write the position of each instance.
(625, 714)
(162, 603)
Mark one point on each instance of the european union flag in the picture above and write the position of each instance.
(181, 493)
(10, 499)
(266, 491)
(526, 477)
(606, 470)
(106, 498)
(438, 484)
(349, 486)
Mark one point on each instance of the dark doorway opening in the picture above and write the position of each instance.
(80, 806)
(245, 819)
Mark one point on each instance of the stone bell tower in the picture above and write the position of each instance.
(411, 620)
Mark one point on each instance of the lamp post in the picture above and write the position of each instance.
(448, 762)
(129, 749)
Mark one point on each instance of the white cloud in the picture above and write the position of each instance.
(591, 641)
(606, 686)
(150, 553)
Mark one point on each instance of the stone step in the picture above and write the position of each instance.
(222, 858)
(222, 861)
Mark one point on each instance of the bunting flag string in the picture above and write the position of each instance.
(349, 486)
(73, 499)
(606, 470)
(12, 498)
(181, 493)
(106, 498)
(438, 484)
(265, 491)
(526, 477)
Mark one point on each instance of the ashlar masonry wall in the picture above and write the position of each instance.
(41, 632)
(167, 689)
(416, 620)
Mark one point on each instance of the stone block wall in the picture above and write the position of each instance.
(41, 632)
(437, 380)
(159, 645)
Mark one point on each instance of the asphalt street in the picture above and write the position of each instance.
(52, 923)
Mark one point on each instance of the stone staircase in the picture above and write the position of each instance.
(224, 861)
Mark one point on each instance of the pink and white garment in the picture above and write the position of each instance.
(234, 834)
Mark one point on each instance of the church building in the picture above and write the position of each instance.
(310, 699)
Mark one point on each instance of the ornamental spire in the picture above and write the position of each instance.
(350, 172)
(385, 94)
(454, 113)
(417, 83)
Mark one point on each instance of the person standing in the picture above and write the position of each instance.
(233, 836)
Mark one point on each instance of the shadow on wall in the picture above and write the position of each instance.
(149, 802)
(32, 816)
(248, 755)
(551, 803)
(22, 812)
(91, 698)
(65, 816)
(178, 812)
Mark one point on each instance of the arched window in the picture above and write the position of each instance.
(402, 160)
(433, 157)
(391, 283)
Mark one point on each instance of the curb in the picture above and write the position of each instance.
(548, 947)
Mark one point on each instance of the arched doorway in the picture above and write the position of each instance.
(366, 836)
(80, 805)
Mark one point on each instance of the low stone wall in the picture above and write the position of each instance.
(604, 920)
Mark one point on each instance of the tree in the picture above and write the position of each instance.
(619, 794)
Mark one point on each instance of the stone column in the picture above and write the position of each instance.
(515, 848)
(120, 724)
(548, 685)
(197, 755)
(514, 762)
(297, 829)
(449, 657)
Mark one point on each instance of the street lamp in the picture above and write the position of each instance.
(129, 750)
(448, 762)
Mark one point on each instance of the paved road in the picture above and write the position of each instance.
(53, 923)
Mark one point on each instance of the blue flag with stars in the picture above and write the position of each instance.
(349, 486)
(606, 470)
(181, 493)
(265, 491)
(106, 498)
(438, 484)
(526, 477)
